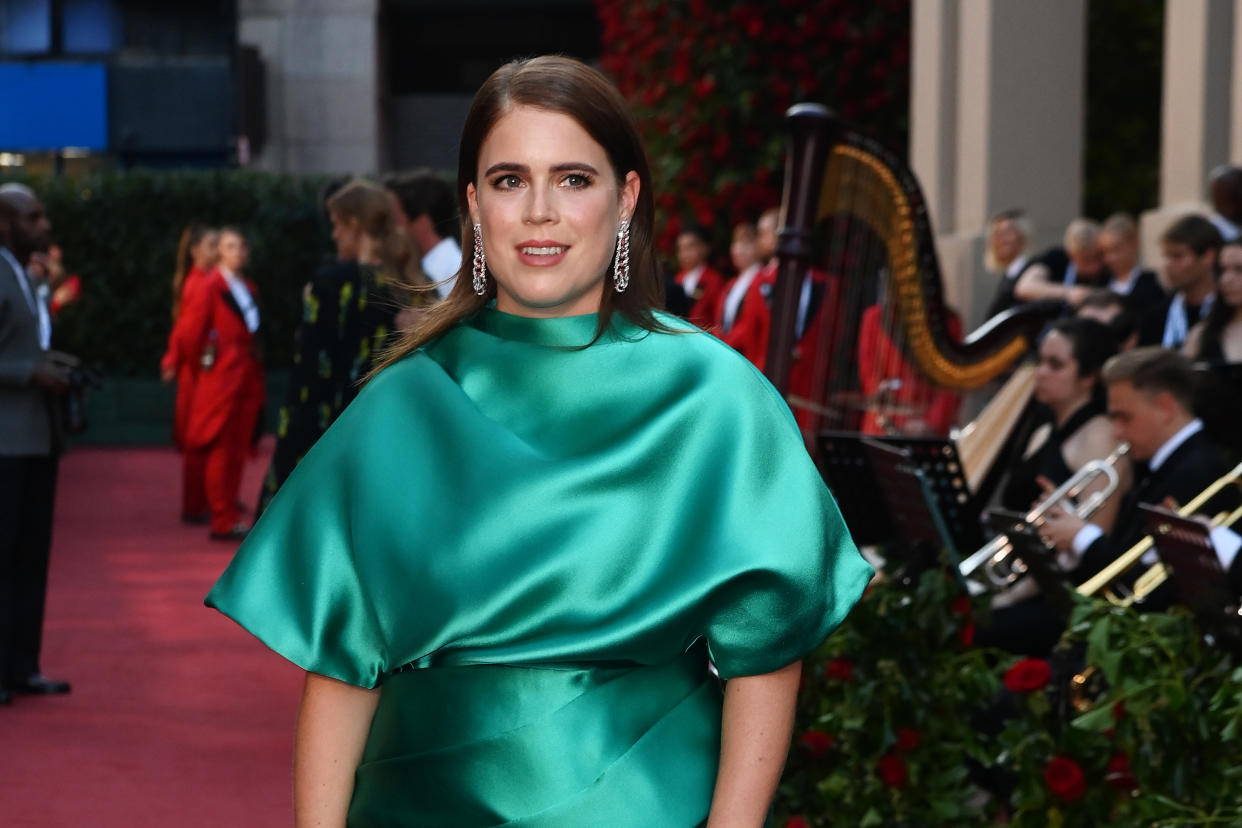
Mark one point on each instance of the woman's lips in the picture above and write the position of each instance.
(541, 253)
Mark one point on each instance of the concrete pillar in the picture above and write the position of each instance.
(1010, 80)
(1199, 117)
(323, 83)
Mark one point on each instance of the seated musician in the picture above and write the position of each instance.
(1150, 398)
(1073, 428)
(1067, 273)
(1218, 337)
(1008, 239)
(1190, 248)
(1113, 310)
(900, 399)
(1119, 246)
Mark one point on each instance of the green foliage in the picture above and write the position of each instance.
(1158, 741)
(1138, 722)
(905, 701)
(119, 232)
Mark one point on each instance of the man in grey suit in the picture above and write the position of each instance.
(32, 377)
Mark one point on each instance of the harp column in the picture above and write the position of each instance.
(996, 122)
(1201, 116)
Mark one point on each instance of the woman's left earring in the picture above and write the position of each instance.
(480, 263)
(621, 264)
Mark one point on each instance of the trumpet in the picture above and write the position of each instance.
(1156, 574)
(996, 560)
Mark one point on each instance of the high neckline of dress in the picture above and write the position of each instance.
(556, 331)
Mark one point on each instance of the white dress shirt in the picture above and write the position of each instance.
(733, 299)
(441, 265)
(241, 295)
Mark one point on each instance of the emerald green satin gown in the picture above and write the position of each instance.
(534, 548)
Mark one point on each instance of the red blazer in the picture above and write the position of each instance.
(211, 318)
(706, 298)
(879, 358)
(749, 333)
(185, 365)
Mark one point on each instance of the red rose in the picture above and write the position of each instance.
(1119, 774)
(797, 822)
(907, 738)
(839, 669)
(961, 606)
(704, 86)
(1027, 675)
(1119, 711)
(1064, 778)
(966, 635)
(892, 770)
(815, 742)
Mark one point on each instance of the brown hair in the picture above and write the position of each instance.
(1154, 369)
(567, 86)
(190, 238)
(1196, 232)
(371, 205)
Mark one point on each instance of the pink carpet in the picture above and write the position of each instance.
(177, 716)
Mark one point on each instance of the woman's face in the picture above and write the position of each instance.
(1056, 380)
(1006, 241)
(1230, 284)
(547, 200)
(743, 252)
(232, 252)
(206, 251)
(347, 235)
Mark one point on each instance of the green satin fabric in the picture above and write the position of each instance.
(504, 498)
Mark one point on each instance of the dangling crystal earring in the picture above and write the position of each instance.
(621, 264)
(480, 263)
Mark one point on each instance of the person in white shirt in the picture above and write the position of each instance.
(429, 214)
(1150, 403)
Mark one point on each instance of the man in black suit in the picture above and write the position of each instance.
(1150, 399)
(1067, 273)
(1190, 247)
(32, 376)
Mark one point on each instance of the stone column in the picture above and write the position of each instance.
(1199, 121)
(1009, 81)
(323, 83)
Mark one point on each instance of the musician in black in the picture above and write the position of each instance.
(1218, 337)
(1190, 248)
(1150, 403)
(1067, 273)
(1072, 428)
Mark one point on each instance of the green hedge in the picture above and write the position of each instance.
(119, 232)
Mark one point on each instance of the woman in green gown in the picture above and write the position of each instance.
(506, 566)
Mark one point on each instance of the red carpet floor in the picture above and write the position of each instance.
(177, 716)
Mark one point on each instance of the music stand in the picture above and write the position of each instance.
(936, 458)
(1184, 545)
(1039, 560)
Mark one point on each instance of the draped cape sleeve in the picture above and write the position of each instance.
(505, 496)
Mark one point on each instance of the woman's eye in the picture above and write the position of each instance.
(508, 182)
(576, 180)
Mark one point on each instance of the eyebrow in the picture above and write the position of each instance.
(509, 166)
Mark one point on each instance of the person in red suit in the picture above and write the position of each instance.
(920, 408)
(701, 283)
(221, 317)
(196, 258)
(730, 313)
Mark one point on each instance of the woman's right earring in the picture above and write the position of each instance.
(480, 263)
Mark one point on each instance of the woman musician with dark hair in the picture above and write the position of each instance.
(506, 565)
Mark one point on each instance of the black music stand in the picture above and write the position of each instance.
(1184, 545)
(1039, 561)
(920, 530)
(841, 457)
(885, 500)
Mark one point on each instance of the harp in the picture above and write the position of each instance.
(852, 210)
